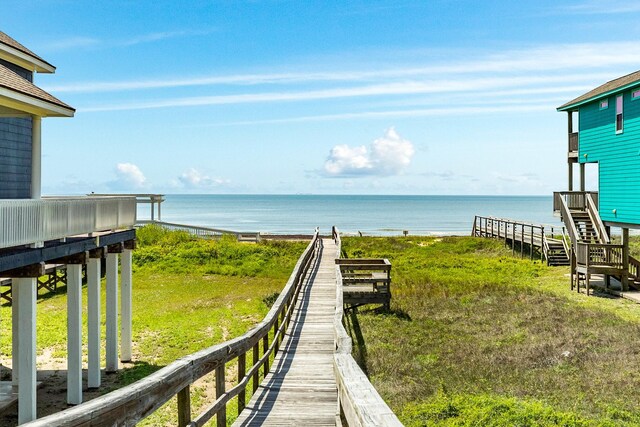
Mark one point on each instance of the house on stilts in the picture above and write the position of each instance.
(604, 134)
(75, 234)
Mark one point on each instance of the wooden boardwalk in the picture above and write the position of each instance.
(300, 389)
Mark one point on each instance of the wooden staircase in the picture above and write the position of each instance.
(586, 229)
(556, 253)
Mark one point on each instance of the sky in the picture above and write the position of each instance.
(318, 97)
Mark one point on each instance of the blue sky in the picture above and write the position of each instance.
(357, 97)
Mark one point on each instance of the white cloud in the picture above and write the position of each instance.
(194, 179)
(597, 7)
(389, 155)
(128, 176)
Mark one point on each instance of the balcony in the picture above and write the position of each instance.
(575, 200)
(573, 145)
(26, 221)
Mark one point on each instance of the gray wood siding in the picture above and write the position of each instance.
(25, 74)
(15, 158)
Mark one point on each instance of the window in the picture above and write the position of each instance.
(635, 94)
(619, 122)
(604, 104)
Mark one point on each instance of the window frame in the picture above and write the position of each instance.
(619, 121)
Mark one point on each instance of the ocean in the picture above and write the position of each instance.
(369, 215)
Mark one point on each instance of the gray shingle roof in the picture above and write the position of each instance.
(12, 81)
(8, 41)
(609, 86)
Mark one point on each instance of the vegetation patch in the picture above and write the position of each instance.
(188, 294)
(486, 334)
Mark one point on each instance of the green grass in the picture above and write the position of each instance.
(477, 337)
(188, 294)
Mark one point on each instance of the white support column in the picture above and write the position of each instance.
(112, 313)
(15, 336)
(26, 288)
(126, 309)
(93, 320)
(36, 157)
(74, 334)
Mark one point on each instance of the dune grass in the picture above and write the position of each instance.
(188, 295)
(477, 337)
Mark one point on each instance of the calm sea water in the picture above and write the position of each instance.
(371, 215)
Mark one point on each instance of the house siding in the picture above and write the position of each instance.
(618, 156)
(24, 73)
(15, 158)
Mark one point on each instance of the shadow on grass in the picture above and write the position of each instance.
(139, 370)
(359, 351)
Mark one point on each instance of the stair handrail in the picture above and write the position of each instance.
(567, 246)
(592, 210)
(568, 220)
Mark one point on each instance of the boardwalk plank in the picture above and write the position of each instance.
(300, 388)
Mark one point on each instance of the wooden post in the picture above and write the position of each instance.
(125, 306)
(256, 374)
(522, 241)
(572, 265)
(112, 312)
(93, 322)
(74, 334)
(582, 177)
(265, 348)
(625, 259)
(531, 244)
(184, 407)
(542, 243)
(220, 388)
(513, 239)
(275, 331)
(27, 290)
(242, 370)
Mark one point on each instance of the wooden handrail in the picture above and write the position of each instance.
(131, 404)
(359, 401)
(568, 219)
(600, 229)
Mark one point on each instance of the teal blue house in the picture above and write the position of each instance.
(603, 129)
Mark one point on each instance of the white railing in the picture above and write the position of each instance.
(27, 221)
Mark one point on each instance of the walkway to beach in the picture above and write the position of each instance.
(300, 388)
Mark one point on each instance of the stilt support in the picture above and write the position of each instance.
(93, 322)
(25, 288)
(112, 313)
(74, 334)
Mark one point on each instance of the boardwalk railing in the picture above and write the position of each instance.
(129, 405)
(28, 221)
(359, 402)
(526, 233)
(205, 232)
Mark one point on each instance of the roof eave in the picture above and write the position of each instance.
(573, 105)
(21, 59)
(31, 105)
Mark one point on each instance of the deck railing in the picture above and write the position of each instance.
(573, 142)
(359, 402)
(600, 254)
(594, 215)
(129, 405)
(575, 200)
(27, 221)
